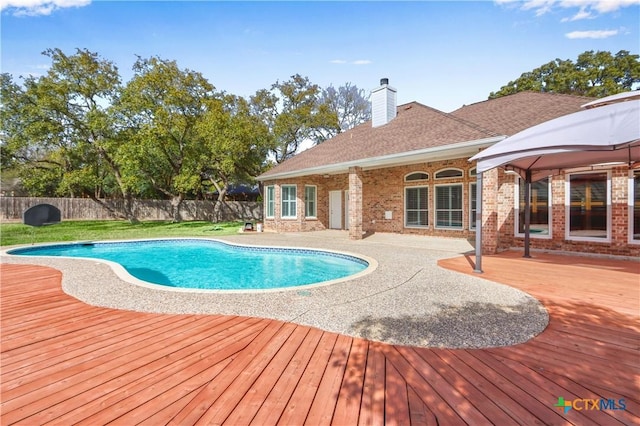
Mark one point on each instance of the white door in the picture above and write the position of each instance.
(346, 209)
(335, 209)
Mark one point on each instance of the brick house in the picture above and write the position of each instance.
(407, 171)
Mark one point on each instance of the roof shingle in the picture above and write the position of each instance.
(511, 114)
(418, 127)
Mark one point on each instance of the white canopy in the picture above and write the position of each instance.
(618, 97)
(605, 134)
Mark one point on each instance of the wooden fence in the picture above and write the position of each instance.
(11, 209)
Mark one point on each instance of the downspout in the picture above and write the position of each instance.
(478, 266)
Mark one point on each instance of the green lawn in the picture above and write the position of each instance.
(98, 230)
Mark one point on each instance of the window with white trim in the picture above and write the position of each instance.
(449, 174)
(473, 204)
(310, 201)
(289, 202)
(634, 196)
(416, 206)
(588, 203)
(270, 201)
(415, 176)
(448, 202)
(539, 208)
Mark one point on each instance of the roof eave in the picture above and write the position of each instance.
(445, 152)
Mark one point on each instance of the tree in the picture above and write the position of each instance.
(161, 107)
(236, 144)
(59, 131)
(293, 113)
(595, 74)
(12, 103)
(350, 104)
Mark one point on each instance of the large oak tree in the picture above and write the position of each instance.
(594, 74)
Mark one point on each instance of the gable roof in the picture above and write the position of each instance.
(508, 115)
(421, 133)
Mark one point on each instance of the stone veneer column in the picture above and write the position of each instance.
(355, 203)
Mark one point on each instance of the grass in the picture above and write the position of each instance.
(99, 230)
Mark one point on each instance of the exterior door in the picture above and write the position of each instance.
(335, 209)
(346, 209)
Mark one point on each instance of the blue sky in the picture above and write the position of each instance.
(442, 54)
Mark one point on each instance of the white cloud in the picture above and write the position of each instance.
(591, 34)
(357, 62)
(39, 7)
(586, 6)
(582, 14)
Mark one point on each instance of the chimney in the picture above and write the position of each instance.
(383, 103)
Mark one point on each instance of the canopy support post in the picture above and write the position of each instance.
(527, 212)
(478, 266)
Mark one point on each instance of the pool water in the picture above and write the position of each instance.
(209, 264)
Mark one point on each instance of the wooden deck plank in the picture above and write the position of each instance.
(240, 387)
(172, 389)
(79, 349)
(324, 401)
(419, 412)
(452, 395)
(347, 407)
(396, 398)
(280, 394)
(539, 398)
(483, 397)
(423, 387)
(510, 382)
(182, 379)
(490, 384)
(193, 412)
(172, 367)
(67, 362)
(373, 394)
(262, 387)
(81, 378)
(35, 362)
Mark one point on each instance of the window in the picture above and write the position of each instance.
(540, 223)
(449, 174)
(473, 172)
(271, 201)
(589, 213)
(416, 176)
(416, 200)
(473, 203)
(449, 206)
(310, 201)
(634, 194)
(288, 201)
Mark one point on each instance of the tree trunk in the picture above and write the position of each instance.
(217, 207)
(176, 202)
(125, 213)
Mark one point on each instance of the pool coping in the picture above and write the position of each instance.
(122, 273)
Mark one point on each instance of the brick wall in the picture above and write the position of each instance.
(383, 191)
(619, 226)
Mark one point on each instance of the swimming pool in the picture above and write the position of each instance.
(212, 264)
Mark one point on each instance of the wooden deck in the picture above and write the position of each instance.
(64, 362)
